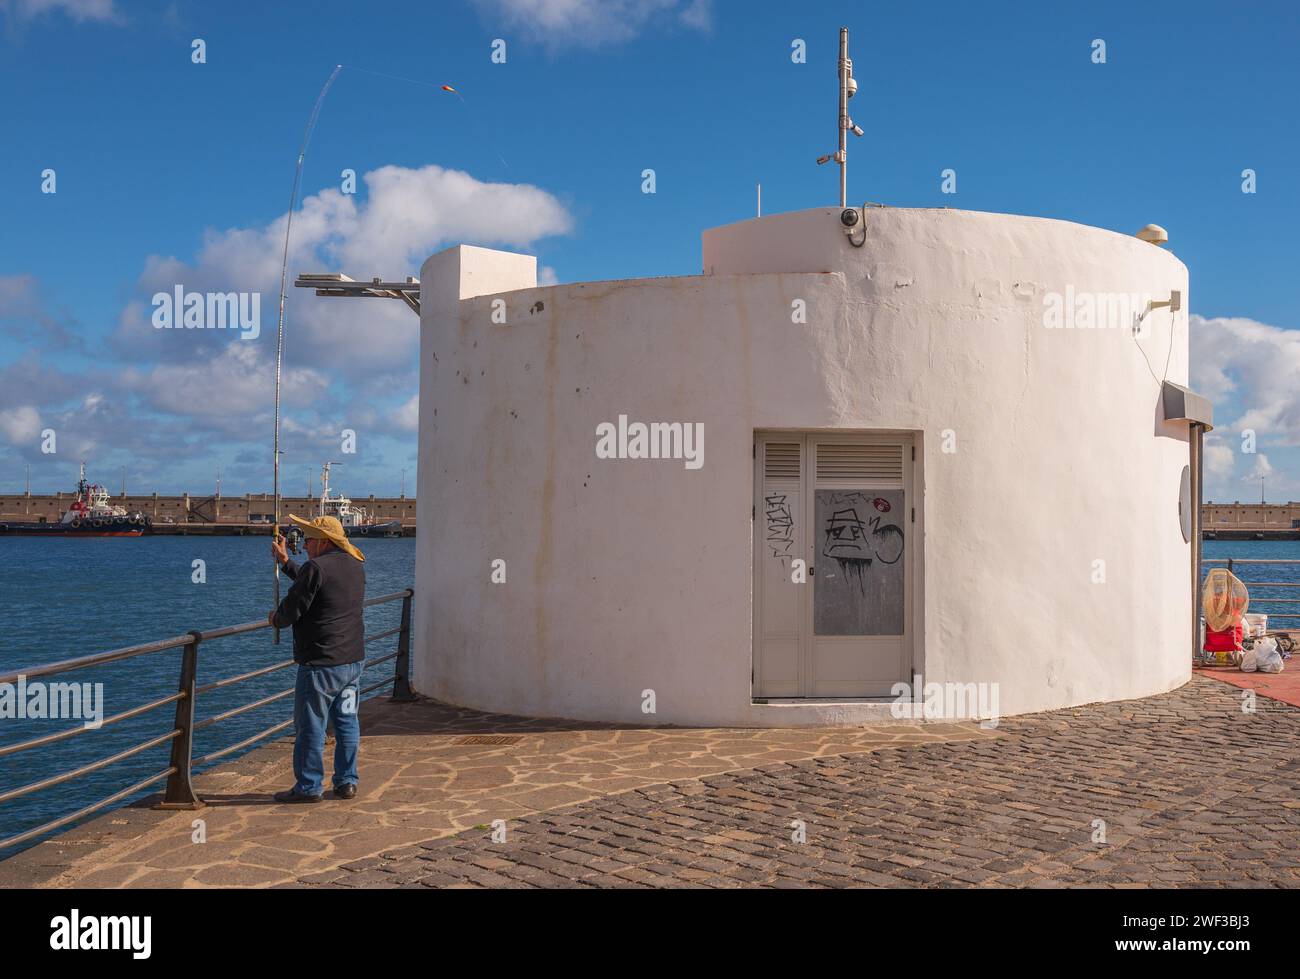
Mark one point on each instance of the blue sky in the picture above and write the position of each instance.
(170, 171)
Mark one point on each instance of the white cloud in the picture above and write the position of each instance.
(177, 396)
(591, 23)
(16, 294)
(1262, 468)
(25, 314)
(406, 418)
(1219, 459)
(1251, 369)
(235, 384)
(21, 425)
(405, 215)
(411, 211)
(78, 10)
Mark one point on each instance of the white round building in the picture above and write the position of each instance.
(839, 467)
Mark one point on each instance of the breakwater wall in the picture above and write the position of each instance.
(247, 510)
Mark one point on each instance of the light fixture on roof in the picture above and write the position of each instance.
(339, 284)
(1154, 234)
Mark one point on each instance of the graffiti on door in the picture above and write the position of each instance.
(854, 542)
(859, 580)
(780, 526)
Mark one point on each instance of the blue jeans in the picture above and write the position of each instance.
(326, 695)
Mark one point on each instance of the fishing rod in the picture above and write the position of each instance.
(279, 328)
(284, 271)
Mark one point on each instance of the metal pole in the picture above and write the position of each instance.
(1197, 436)
(180, 792)
(842, 156)
(402, 681)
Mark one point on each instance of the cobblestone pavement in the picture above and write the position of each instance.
(1188, 788)
(427, 770)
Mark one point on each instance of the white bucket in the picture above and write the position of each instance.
(1255, 624)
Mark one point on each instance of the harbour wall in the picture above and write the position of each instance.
(1248, 521)
(252, 508)
(1227, 521)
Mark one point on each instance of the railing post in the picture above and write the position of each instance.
(402, 692)
(180, 793)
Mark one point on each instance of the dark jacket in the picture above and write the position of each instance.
(324, 608)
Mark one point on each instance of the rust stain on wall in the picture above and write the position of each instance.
(545, 543)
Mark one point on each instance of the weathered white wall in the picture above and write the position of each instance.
(627, 575)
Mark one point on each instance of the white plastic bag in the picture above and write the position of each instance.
(1249, 662)
(1267, 657)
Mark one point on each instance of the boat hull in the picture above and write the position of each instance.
(108, 528)
(393, 528)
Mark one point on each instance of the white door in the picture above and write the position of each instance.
(843, 505)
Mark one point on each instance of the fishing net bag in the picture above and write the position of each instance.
(1224, 600)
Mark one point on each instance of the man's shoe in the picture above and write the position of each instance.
(346, 791)
(293, 795)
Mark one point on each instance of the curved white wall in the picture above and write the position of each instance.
(628, 575)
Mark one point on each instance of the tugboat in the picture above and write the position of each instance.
(355, 520)
(90, 515)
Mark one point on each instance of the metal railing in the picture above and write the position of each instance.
(1233, 565)
(179, 792)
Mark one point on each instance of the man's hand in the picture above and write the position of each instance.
(279, 550)
(270, 618)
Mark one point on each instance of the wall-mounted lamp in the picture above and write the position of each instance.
(1174, 302)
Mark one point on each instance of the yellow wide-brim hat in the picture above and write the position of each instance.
(328, 528)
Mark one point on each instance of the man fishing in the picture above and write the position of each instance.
(324, 608)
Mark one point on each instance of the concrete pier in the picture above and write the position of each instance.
(453, 798)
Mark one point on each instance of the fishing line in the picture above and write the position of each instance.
(399, 78)
(434, 85)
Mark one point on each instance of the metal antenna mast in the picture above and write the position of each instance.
(842, 157)
(848, 87)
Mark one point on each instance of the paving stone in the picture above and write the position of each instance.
(1017, 810)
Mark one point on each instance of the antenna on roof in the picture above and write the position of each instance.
(848, 88)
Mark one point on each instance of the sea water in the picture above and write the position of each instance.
(63, 598)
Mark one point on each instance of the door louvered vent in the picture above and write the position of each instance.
(845, 460)
(781, 460)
